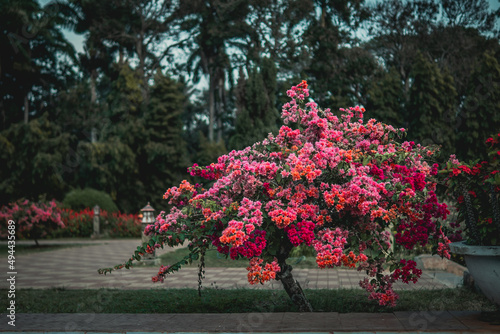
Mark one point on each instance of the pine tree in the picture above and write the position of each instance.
(163, 159)
(257, 115)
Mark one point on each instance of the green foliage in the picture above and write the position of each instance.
(257, 115)
(235, 301)
(126, 97)
(106, 166)
(324, 38)
(109, 94)
(209, 151)
(432, 106)
(476, 187)
(163, 154)
(79, 199)
(479, 116)
(385, 101)
(34, 60)
(34, 159)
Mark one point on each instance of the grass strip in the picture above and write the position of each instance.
(213, 259)
(234, 301)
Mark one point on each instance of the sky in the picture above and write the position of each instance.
(77, 40)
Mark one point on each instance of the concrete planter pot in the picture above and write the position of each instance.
(483, 263)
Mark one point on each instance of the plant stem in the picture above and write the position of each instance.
(293, 289)
(494, 207)
(201, 270)
(470, 218)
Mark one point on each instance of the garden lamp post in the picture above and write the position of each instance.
(148, 218)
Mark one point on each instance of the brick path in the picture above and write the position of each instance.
(76, 268)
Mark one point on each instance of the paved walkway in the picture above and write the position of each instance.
(397, 322)
(76, 268)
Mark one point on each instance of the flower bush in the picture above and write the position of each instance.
(344, 186)
(78, 224)
(33, 220)
(112, 224)
(476, 187)
(38, 220)
(122, 225)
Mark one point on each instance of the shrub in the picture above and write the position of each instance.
(121, 225)
(112, 224)
(79, 199)
(79, 224)
(337, 183)
(32, 220)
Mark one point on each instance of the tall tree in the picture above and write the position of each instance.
(432, 106)
(479, 115)
(468, 14)
(275, 31)
(325, 39)
(385, 101)
(33, 157)
(257, 115)
(213, 24)
(111, 166)
(398, 29)
(138, 28)
(163, 157)
(34, 58)
(458, 49)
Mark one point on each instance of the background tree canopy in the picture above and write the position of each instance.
(162, 84)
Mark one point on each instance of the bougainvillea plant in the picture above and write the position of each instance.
(346, 187)
(476, 187)
(33, 220)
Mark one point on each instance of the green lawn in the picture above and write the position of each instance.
(234, 300)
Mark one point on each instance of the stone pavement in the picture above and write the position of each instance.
(397, 322)
(76, 268)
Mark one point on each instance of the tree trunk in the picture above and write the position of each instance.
(211, 108)
(93, 89)
(93, 101)
(26, 109)
(293, 289)
(220, 106)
